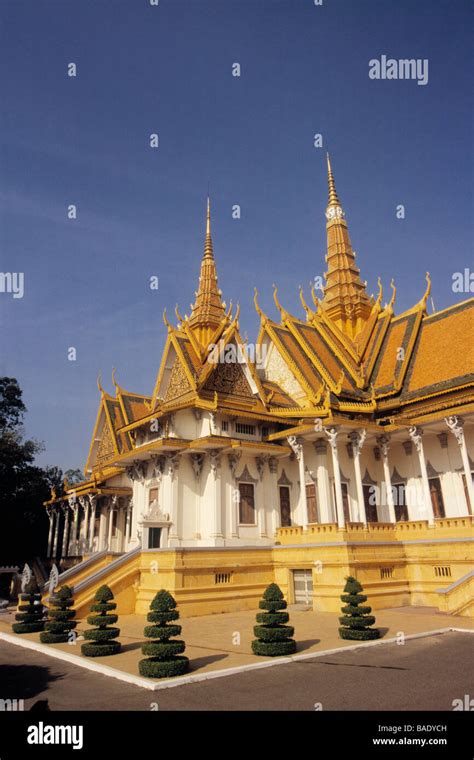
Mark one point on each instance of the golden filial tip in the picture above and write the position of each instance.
(208, 250)
(333, 197)
(428, 289)
(99, 382)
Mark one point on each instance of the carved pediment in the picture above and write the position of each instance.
(229, 378)
(105, 449)
(179, 383)
(154, 514)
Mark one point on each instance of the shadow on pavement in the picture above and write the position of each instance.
(201, 662)
(25, 681)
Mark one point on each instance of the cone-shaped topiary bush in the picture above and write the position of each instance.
(102, 637)
(30, 613)
(164, 658)
(356, 622)
(60, 621)
(273, 637)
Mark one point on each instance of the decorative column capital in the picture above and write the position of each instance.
(197, 462)
(215, 457)
(416, 434)
(260, 462)
(158, 463)
(273, 465)
(137, 470)
(233, 460)
(456, 425)
(332, 434)
(357, 439)
(173, 463)
(296, 444)
(92, 500)
(383, 442)
(320, 446)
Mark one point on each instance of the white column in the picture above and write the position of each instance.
(324, 486)
(274, 495)
(56, 533)
(197, 463)
(357, 439)
(74, 507)
(112, 508)
(416, 436)
(173, 465)
(383, 443)
(332, 436)
(233, 460)
(261, 490)
(297, 446)
(128, 522)
(93, 507)
(50, 513)
(103, 511)
(84, 531)
(456, 425)
(216, 533)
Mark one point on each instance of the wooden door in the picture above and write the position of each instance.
(311, 503)
(246, 504)
(370, 502)
(436, 497)
(285, 508)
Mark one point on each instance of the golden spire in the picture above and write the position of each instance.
(345, 298)
(333, 199)
(208, 311)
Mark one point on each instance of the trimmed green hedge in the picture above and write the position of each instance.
(273, 637)
(153, 668)
(359, 635)
(273, 648)
(101, 634)
(272, 618)
(268, 633)
(101, 649)
(163, 632)
(356, 621)
(60, 618)
(30, 615)
(104, 634)
(165, 653)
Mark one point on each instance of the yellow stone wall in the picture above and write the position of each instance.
(398, 565)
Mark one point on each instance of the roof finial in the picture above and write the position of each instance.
(333, 197)
(208, 249)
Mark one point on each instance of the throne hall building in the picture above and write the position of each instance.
(342, 444)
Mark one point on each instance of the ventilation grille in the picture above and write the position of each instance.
(443, 571)
(220, 578)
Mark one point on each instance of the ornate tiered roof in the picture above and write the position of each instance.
(348, 357)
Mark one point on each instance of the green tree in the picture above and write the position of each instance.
(30, 615)
(23, 485)
(165, 656)
(356, 620)
(273, 636)
(60, 621)
(100, 640)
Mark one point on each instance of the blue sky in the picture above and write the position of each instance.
(168, 70)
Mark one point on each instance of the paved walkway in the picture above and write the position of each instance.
(215, 642)
(423, 674)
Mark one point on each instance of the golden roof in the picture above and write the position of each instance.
(345, 298)
(208, 310)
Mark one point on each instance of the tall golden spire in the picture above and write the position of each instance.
(333, 197)
(345, 298)
(208, 310)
